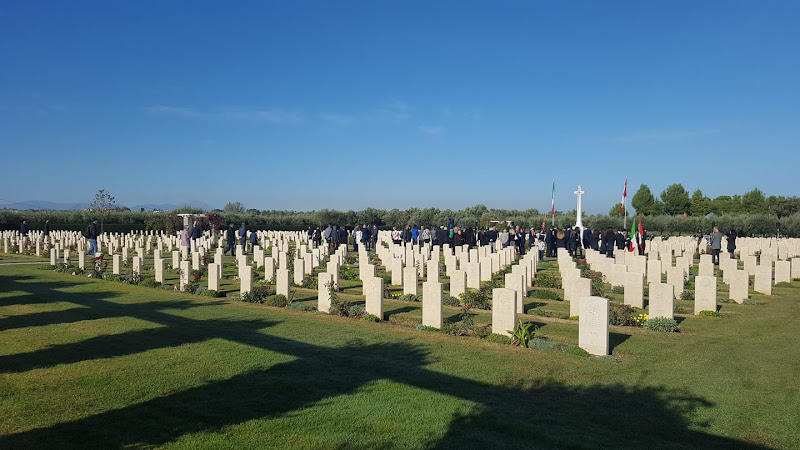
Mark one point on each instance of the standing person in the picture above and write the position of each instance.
(317, 237)
(619, 238)
(343, 236)
(46, 228)
(356, 237)
(374, 237)
(731, 242)
(458, 238)
(396, 238)
(406, 235)
(243, 238)
(426, 235)
(23, 229)
(231, 238)
(254, 240)
(310, 234)
(716, 245)
(492, 238)
(186, 244)
(196, 233)
(587, 238)
(608, 240)
(91, 233)
(327, 233)
(521, 241)
(642, 241)
(540, 247)
(503, 238)
(415, 235)
(366, 237)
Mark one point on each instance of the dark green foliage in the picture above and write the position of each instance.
(112, 277)
(191, 287)
(662, 324)
(676, 199)
(707, 313)
(687, 294)
(522, 334)
(410, 297)
(462, 328)
(678, 308)
(370, 318)
(300, 306)
(618, 289)
(473, 298)
(544, 294)
(355, 311)
(310, 282)
(339, 306)
(208, 293)
(621, 315)
(150, 282)
(278, 300)
(449, 300)
(258, 294)
(547, 280)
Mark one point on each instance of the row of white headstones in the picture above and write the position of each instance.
(466, 268)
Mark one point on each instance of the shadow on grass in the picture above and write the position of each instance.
(400, 310)
(616, 339)
(516, 414)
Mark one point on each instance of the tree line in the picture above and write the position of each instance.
(749, 223)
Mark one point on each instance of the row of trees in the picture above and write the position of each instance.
(751, 224)
(675, 200)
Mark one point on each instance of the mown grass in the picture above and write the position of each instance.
(89, 363)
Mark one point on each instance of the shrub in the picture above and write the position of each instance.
(370, 318)
(191, 287)
(678, 308)
(410, 297)
(641, 319)
(278, 300)
(577, 351)
(662, 324)
(300, 306)
(112, 277)
(687, 294)
(724, 300)
(356, 311)
(422, 327)
(522, 333)
(348, 273)
(618, 289)
(749, 301)
(47, 267)
(150, 282)
(544, 294)
(473, 298)
(706, 313)
(339, 306)
(310, 282)
(621, 315)
(209, 293)
(134, 277)
(547, 280)
(449, 300)
(541, 344)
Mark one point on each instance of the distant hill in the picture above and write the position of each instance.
(45, 205)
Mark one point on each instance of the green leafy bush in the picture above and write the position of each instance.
(522, 333)
(749, 302)
(208, 293)
(547, 280)
(662, 324)
(191, 287)
(687, 294)
(278, 300)
(422, 327)
(542, 344)
(370, 318)
(577, 351)
(112, 277)
(356, 311)
(310, 282)
(621, 315)
(618, 289)
(544, 294)
(706, 313)
(473, 298)
(300, 306)
(410, 297)
(678, 308)
(150, 282)
(449, 300)
(47, 267)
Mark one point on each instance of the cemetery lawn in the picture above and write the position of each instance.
(88, 363)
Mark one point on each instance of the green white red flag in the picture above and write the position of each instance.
(624, 196)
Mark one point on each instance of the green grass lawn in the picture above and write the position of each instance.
(91, 363)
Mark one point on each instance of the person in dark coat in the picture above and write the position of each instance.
(549, 238)
(491, 236)
(230, 237)
(521, 241)
(587, 238)
(23, 229)
(594, 241)
(619, 238)
(92, 235)
(317, 237)
(366, 237)
(343, 235)
(196, 233)
(47, 228)
(608, 240)
(731, 242)
(642, 242)
(243, 238)
(253, 240)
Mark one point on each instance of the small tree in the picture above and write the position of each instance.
(103, 201)
(234, 207)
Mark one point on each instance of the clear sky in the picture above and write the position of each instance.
(348, 104)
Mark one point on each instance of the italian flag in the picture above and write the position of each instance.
(634, 238)
(624, 195)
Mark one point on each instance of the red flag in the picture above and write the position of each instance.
(544, 218)
(624, 195)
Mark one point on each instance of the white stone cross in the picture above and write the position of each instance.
(579, 221)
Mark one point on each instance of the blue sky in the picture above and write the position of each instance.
(311, 104)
